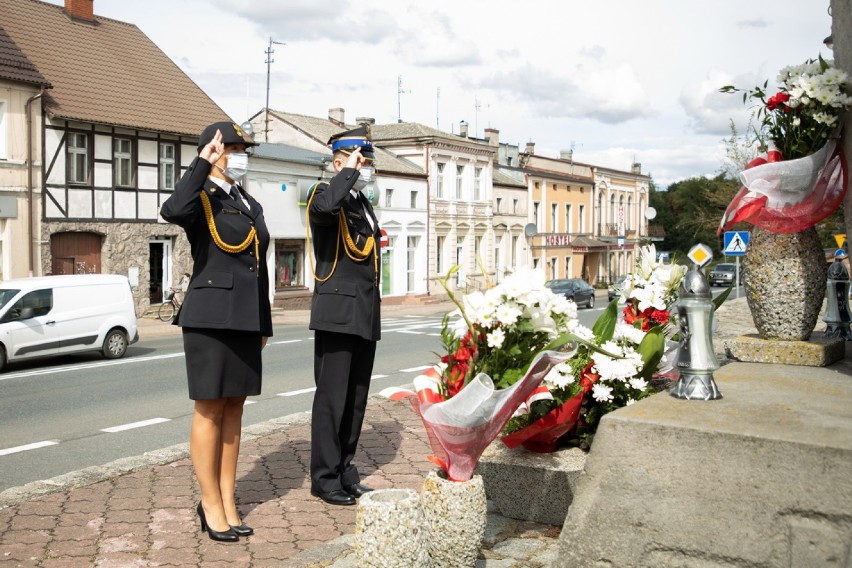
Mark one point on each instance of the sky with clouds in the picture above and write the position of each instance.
(616, 80)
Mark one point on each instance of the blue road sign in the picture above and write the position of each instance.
(736, 243)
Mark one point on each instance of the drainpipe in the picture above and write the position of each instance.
(30, 229)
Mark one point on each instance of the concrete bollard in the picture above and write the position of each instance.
(390, 530)
(455, 513)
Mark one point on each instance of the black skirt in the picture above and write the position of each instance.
(222, 363)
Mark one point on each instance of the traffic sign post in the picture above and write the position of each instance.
(735, 244)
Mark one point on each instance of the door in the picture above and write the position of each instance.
(75, 253)
(159, 269)
(30, 334)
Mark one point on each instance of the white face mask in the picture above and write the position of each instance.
(237, 166)
(365, 176)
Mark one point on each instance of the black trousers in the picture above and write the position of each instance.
(343, 364)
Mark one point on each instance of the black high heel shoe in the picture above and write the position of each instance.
(242, 529)
(226, 536)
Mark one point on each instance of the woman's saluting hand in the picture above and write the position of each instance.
(214, 149)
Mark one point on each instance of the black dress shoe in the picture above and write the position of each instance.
(242, 529)
(224, 536)
(357, 489)
(336, 497)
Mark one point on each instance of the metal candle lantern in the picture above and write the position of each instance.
(696, 360)
(837, 317)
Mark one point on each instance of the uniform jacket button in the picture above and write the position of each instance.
(251, 253)
(251, 268)
(210, 282)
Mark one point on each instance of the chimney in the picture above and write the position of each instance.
(530, 148)
(81, 9)
(463, 129)
(493, 136)
(365, 120)
(336, 115)
(567, 155)
(636, 168)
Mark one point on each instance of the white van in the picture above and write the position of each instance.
(51, 315)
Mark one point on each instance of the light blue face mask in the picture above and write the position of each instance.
(237, 166)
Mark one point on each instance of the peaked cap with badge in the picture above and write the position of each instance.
(349, 140)
(231, 134)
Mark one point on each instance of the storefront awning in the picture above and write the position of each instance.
(588, 244)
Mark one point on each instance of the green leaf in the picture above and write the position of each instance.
(720, 299)
(651, 349)
(604, 327)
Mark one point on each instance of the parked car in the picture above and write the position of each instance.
(53, 315)
(614, 290)
(575, 289)
(724, 274)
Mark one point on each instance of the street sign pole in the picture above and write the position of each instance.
(738, 277)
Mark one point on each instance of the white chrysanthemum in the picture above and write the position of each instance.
(621, 369)
(560, 376)
(496, 338)
(508, 313)
(627, 332)
(629, 402)
(638, 383)
(581, 331)
(602, 393)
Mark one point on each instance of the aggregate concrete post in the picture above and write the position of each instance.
(390, 530)
(841, 23)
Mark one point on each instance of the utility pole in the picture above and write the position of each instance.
(438, 109)
(399, 92)
(269, 61)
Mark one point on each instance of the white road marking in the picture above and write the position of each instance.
(132, 425)
(374, 377)
(285, 341)
(88, 366)
(297, 392)
(412, 369)
(25, 447)
(412, 332)
(249, 402)
(434, 334)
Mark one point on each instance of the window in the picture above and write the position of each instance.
(568, 267)
(167, 166)
(477, 248)
(439, 186)
(289, 254)
(567, 217)
(629, 214)
(3, 155)
(40, 301)
(514, 206)
(411, 260)
(554, 222)
(439, 256)
(612, 208)
(536, 219)
(459, 259)
(553, 267)
(477, 184)
(459, 181)
(514, 252)
(388, 197)
(78, 157)
(122, 155)
(499, 202)
(581, 219)
(414, 200)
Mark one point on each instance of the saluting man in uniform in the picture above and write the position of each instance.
(226, 316)
(344, 315)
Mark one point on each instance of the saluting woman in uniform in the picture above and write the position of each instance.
(226, 317)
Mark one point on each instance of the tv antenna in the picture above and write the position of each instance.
(269, 61)
(476, 106)
(399, 92)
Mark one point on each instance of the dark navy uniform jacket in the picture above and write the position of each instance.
(227, 290)
(348, 302)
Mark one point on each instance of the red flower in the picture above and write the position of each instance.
(777, 100)
(660, 316)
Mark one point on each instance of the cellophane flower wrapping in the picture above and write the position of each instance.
(801, 177)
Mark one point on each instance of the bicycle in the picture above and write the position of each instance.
(169, 308)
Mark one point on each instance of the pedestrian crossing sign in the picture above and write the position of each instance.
(736, 243)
